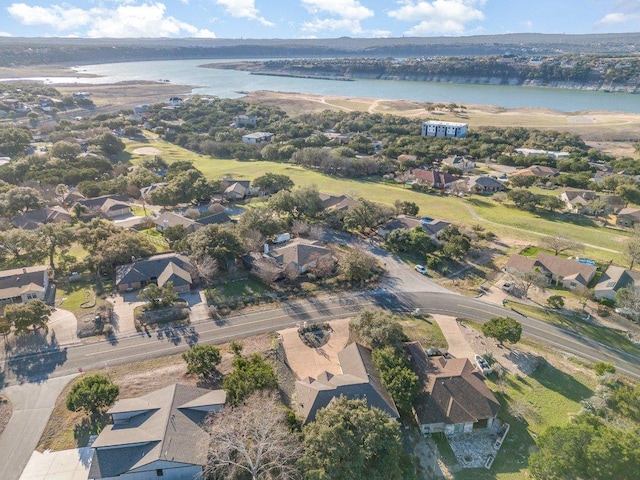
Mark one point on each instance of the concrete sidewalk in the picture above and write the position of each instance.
(458, 346)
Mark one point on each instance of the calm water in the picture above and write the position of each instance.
(227, 83)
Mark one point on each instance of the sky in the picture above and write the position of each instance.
(312, 18)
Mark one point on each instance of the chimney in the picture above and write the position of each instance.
(266, 248)
(24, 269)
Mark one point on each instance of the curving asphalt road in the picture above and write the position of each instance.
(401, 290)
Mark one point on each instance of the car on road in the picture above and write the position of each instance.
(483, 364)
(421, 269)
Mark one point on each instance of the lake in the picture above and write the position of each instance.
(228, 84)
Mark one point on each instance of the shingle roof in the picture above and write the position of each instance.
(298, 252)
(171, 219)
(169, 430)
(557, 266)
(18, 281)
(151, 268)
(359, 379)
(98, 202)
(215, 219)
(32, 220)
(453, 391)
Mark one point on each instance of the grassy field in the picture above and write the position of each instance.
(573, 322)
(531, 405)
(503, 219)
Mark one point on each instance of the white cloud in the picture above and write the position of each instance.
(528, 24)
(613, 19)
(244, 9)
(330, 15)
(439, 16)
(59, 17)
(5, 34)
(125, 20)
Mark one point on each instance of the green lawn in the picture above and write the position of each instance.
(241, 288)
(530, 405)
(573, 322)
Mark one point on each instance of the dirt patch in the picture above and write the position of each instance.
(5, 412)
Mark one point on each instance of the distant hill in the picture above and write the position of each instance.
(43, 51)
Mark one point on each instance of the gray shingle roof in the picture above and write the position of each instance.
(152, 268)
(170, 429)
(359, 379)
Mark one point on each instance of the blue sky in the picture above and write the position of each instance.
(312, 18)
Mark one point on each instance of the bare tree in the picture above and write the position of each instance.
(533, 278)
(631, 250)
(205, 269)
(253, 439)
(192, 213)
(292, 271)
(316, 232)
(253, 240)
(299, 228)
(324, 266)
(559, 244)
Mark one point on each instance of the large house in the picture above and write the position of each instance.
(628, 217)
(577, 201)
(454, 397)
(615, 278)
(335, 203)
(170, 219)
(431, 226)
(570, 274)
(20, 285)
(157, 435)
(465, 164)
(159, 269)
(32, 220)
(484, 184)
(107, 206)
(433, 178)
(299, 254)
(359, 380)
(549, 153)
(257, 137)
(436, 128)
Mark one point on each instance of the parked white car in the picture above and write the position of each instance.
(421, 269)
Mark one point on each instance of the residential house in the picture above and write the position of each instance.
(32, 220)
(145, 191)
(19, 285)
(431, 226)
(244, 120)
(338, 137)
(359, 380)
(577, 201)
(615, 278)
(333, 203)
(257, 137)
(107, 206)
(433, 178)
(171, 219)
(72, 197)
(571, 274)
(436, 128)
(465, 164)
(158, 269)
(160, 434)
(549, 153)
(235, 191)
(540, 171)
(215, 219)
(300, 254)
(628, 217)
(454, 397)
(484, 184)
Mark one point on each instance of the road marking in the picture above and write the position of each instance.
(475, 308)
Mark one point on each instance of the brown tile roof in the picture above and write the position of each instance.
(453, 390)
(433, 178)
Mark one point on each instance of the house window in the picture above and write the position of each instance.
(32, 296)
(159, 472)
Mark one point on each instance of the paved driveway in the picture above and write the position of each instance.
(63, 465)
(32, 406)
(64, 326)
(458, 346)
(123, 306)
